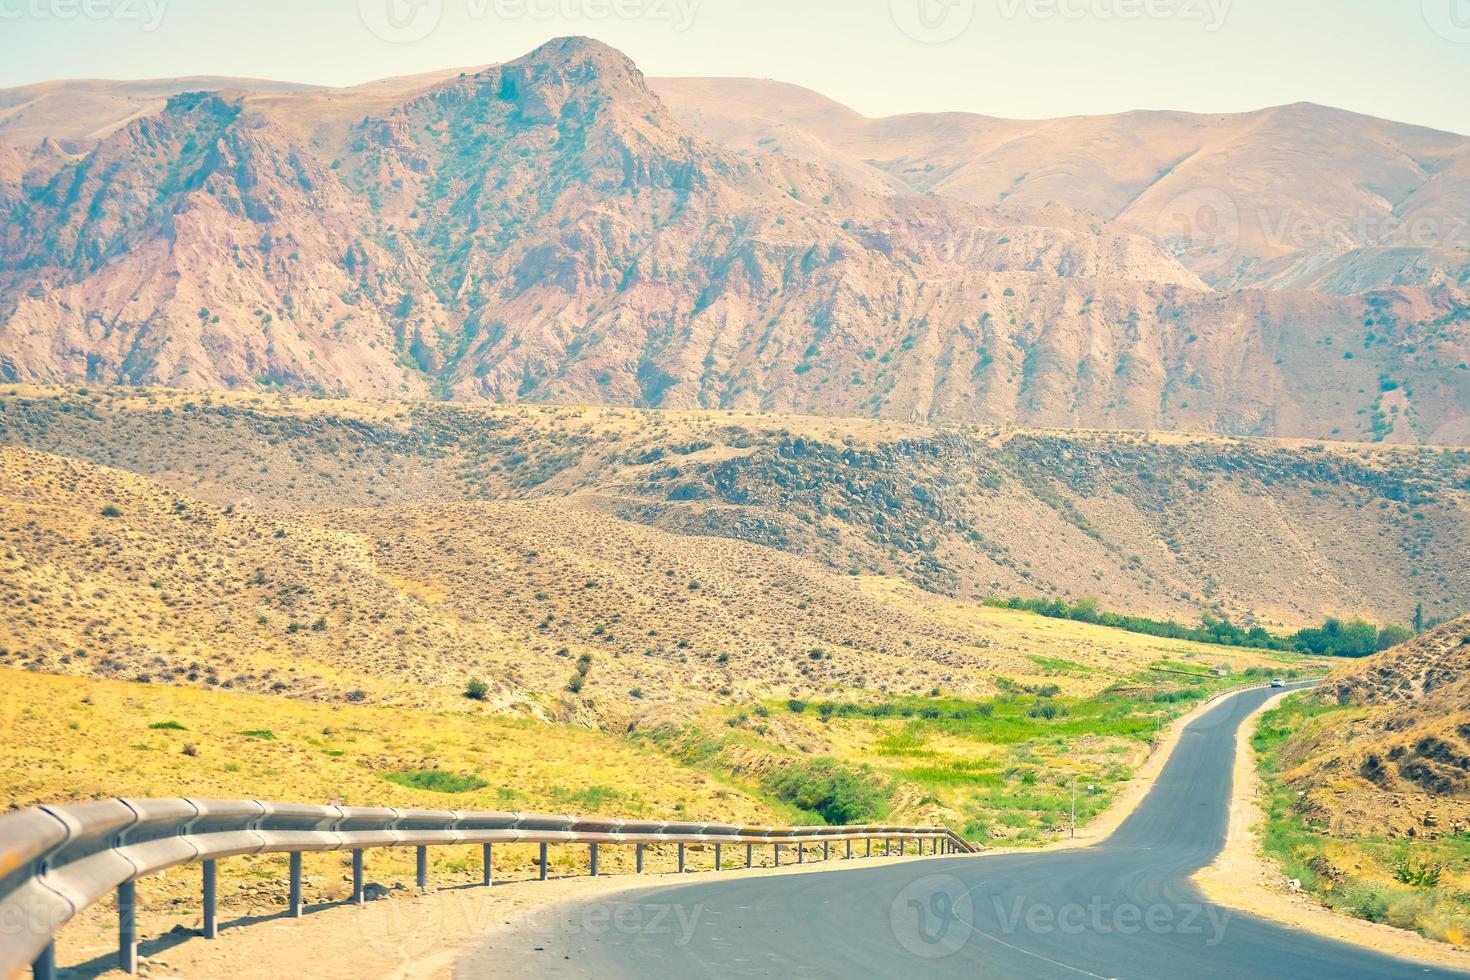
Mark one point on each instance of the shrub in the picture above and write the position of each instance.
(436, 781)
(111, 511)
(796, 706)
(575, 684)
(838, 795)
(167, 726)
(476, 689)
(264, 734)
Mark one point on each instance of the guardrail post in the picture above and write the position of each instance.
(718, 859)
(487, 862)
(869, 851)
(359, 893)
(681, 858)
(826, 850)
(749, 854)
(44, 968)
(211, 916)
(592, 858)
(422, 867)
(888, 847)
(801, 852)
(638, 851)
(543, 862)
(127, 927)
(295, 884)
(778, 855)
(849, 848)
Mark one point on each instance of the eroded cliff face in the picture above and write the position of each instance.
(547, 231)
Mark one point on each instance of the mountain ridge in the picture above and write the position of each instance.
(549, 230)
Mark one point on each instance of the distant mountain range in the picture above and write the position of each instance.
(560, 229)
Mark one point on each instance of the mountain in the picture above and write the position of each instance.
(1294, 197)
(1281, 534)
(550, 230)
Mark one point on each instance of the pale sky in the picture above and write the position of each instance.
(1407, 60)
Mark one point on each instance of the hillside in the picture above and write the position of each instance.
(564, 611)
(1294, 197)
(1276, 533)
(549, 230)
(1406, 746)
(1368, 786)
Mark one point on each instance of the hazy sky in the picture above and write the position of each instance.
(1402, 59)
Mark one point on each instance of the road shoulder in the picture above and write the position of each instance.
(1243, 878)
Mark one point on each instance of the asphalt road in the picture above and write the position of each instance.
(1123, 909)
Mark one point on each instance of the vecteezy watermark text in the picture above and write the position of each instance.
(936, 916)
(639, 920)
(1211, 13)
(1100, 917)
(148, 14)
(408, 21)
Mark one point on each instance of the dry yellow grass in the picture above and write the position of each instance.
(108, 574)
(75, 738)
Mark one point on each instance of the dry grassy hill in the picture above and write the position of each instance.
(1398, 757)
(1368, 786)
(1277, 532)
(564, 611)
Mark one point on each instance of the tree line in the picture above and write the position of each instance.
(1334, 638)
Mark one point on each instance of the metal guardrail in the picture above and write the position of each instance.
(56, 861)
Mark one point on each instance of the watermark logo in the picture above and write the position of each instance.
(1450, 19)
(147, 14)
(401, 21)
(1101, 917)
(660, 922)
(933, 917)
(933, 21)
(1212, 14)
(1201, 219)
(410, 21)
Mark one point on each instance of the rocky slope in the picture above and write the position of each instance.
(1399, 764)
(1276, 532)
(548, 230)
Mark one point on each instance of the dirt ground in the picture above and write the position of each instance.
(1243, 878)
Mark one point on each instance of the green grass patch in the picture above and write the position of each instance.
(167, 726)
(436, 781)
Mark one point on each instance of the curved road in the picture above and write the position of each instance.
(1122, 909)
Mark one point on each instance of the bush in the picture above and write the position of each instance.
(111, 511)
(796, 706)
(436, 781)
(840, 796)
(167, 726)
(476, 689)
(576, 683)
